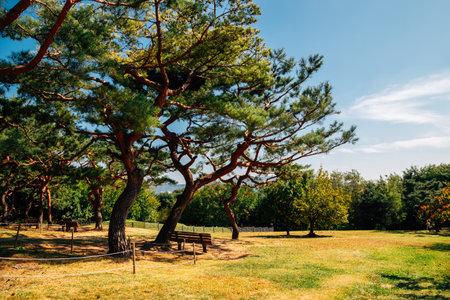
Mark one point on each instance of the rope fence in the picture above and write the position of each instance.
(133, 266)
(62, 258)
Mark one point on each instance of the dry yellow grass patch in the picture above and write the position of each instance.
(339, 281)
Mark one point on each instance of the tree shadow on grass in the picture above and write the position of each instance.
(442, 233)
(425, 234)
(52, 247)
(292, 236)
(419, 233)
(96, 247)
(439, 247)
(220, 249)
(420, 284)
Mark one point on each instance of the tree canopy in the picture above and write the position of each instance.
(120, 68)
(181, 85)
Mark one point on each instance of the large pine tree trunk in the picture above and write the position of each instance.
(98, 203)
(231, 199)
(175, 215)
(49, 200)
(232, 219)
(42, 192)
(4, 196)
(96, 199)
(5, 205)
(29, 206)
(117, 241)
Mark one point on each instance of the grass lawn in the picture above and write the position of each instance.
(339, 264)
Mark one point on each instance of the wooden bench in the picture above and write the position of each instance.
(31, 222)
(69, 224)
(191, 237)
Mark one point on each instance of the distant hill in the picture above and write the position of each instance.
(168, 188)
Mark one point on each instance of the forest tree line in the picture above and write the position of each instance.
(389, 203)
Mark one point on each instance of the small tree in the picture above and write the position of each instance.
(278, 205)
(98, 177)
(320, 203)
(355, 185)
(38, 146)
(437, 211)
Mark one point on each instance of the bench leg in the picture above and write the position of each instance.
(179, 245)
(204, 247)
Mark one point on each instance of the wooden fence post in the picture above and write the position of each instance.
(157, 224)
(144, 224)
(17, 236)
(195, 256)
(71, 243)
(193, 228)
(134, 258)
(132, 224)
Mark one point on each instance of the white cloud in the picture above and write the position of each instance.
(430, 142)
(417, 102)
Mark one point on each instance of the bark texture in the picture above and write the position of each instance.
(175, 215)
(226, 204)
(4, 196)
(96, 199)
(14, 13)
(231, 218)
(45, 44)
(117, 240)
(41, 204)
(49, 201)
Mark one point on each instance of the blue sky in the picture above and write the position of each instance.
(389, 65)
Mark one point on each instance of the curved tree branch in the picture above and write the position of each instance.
(44, 47)
(14, 13)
